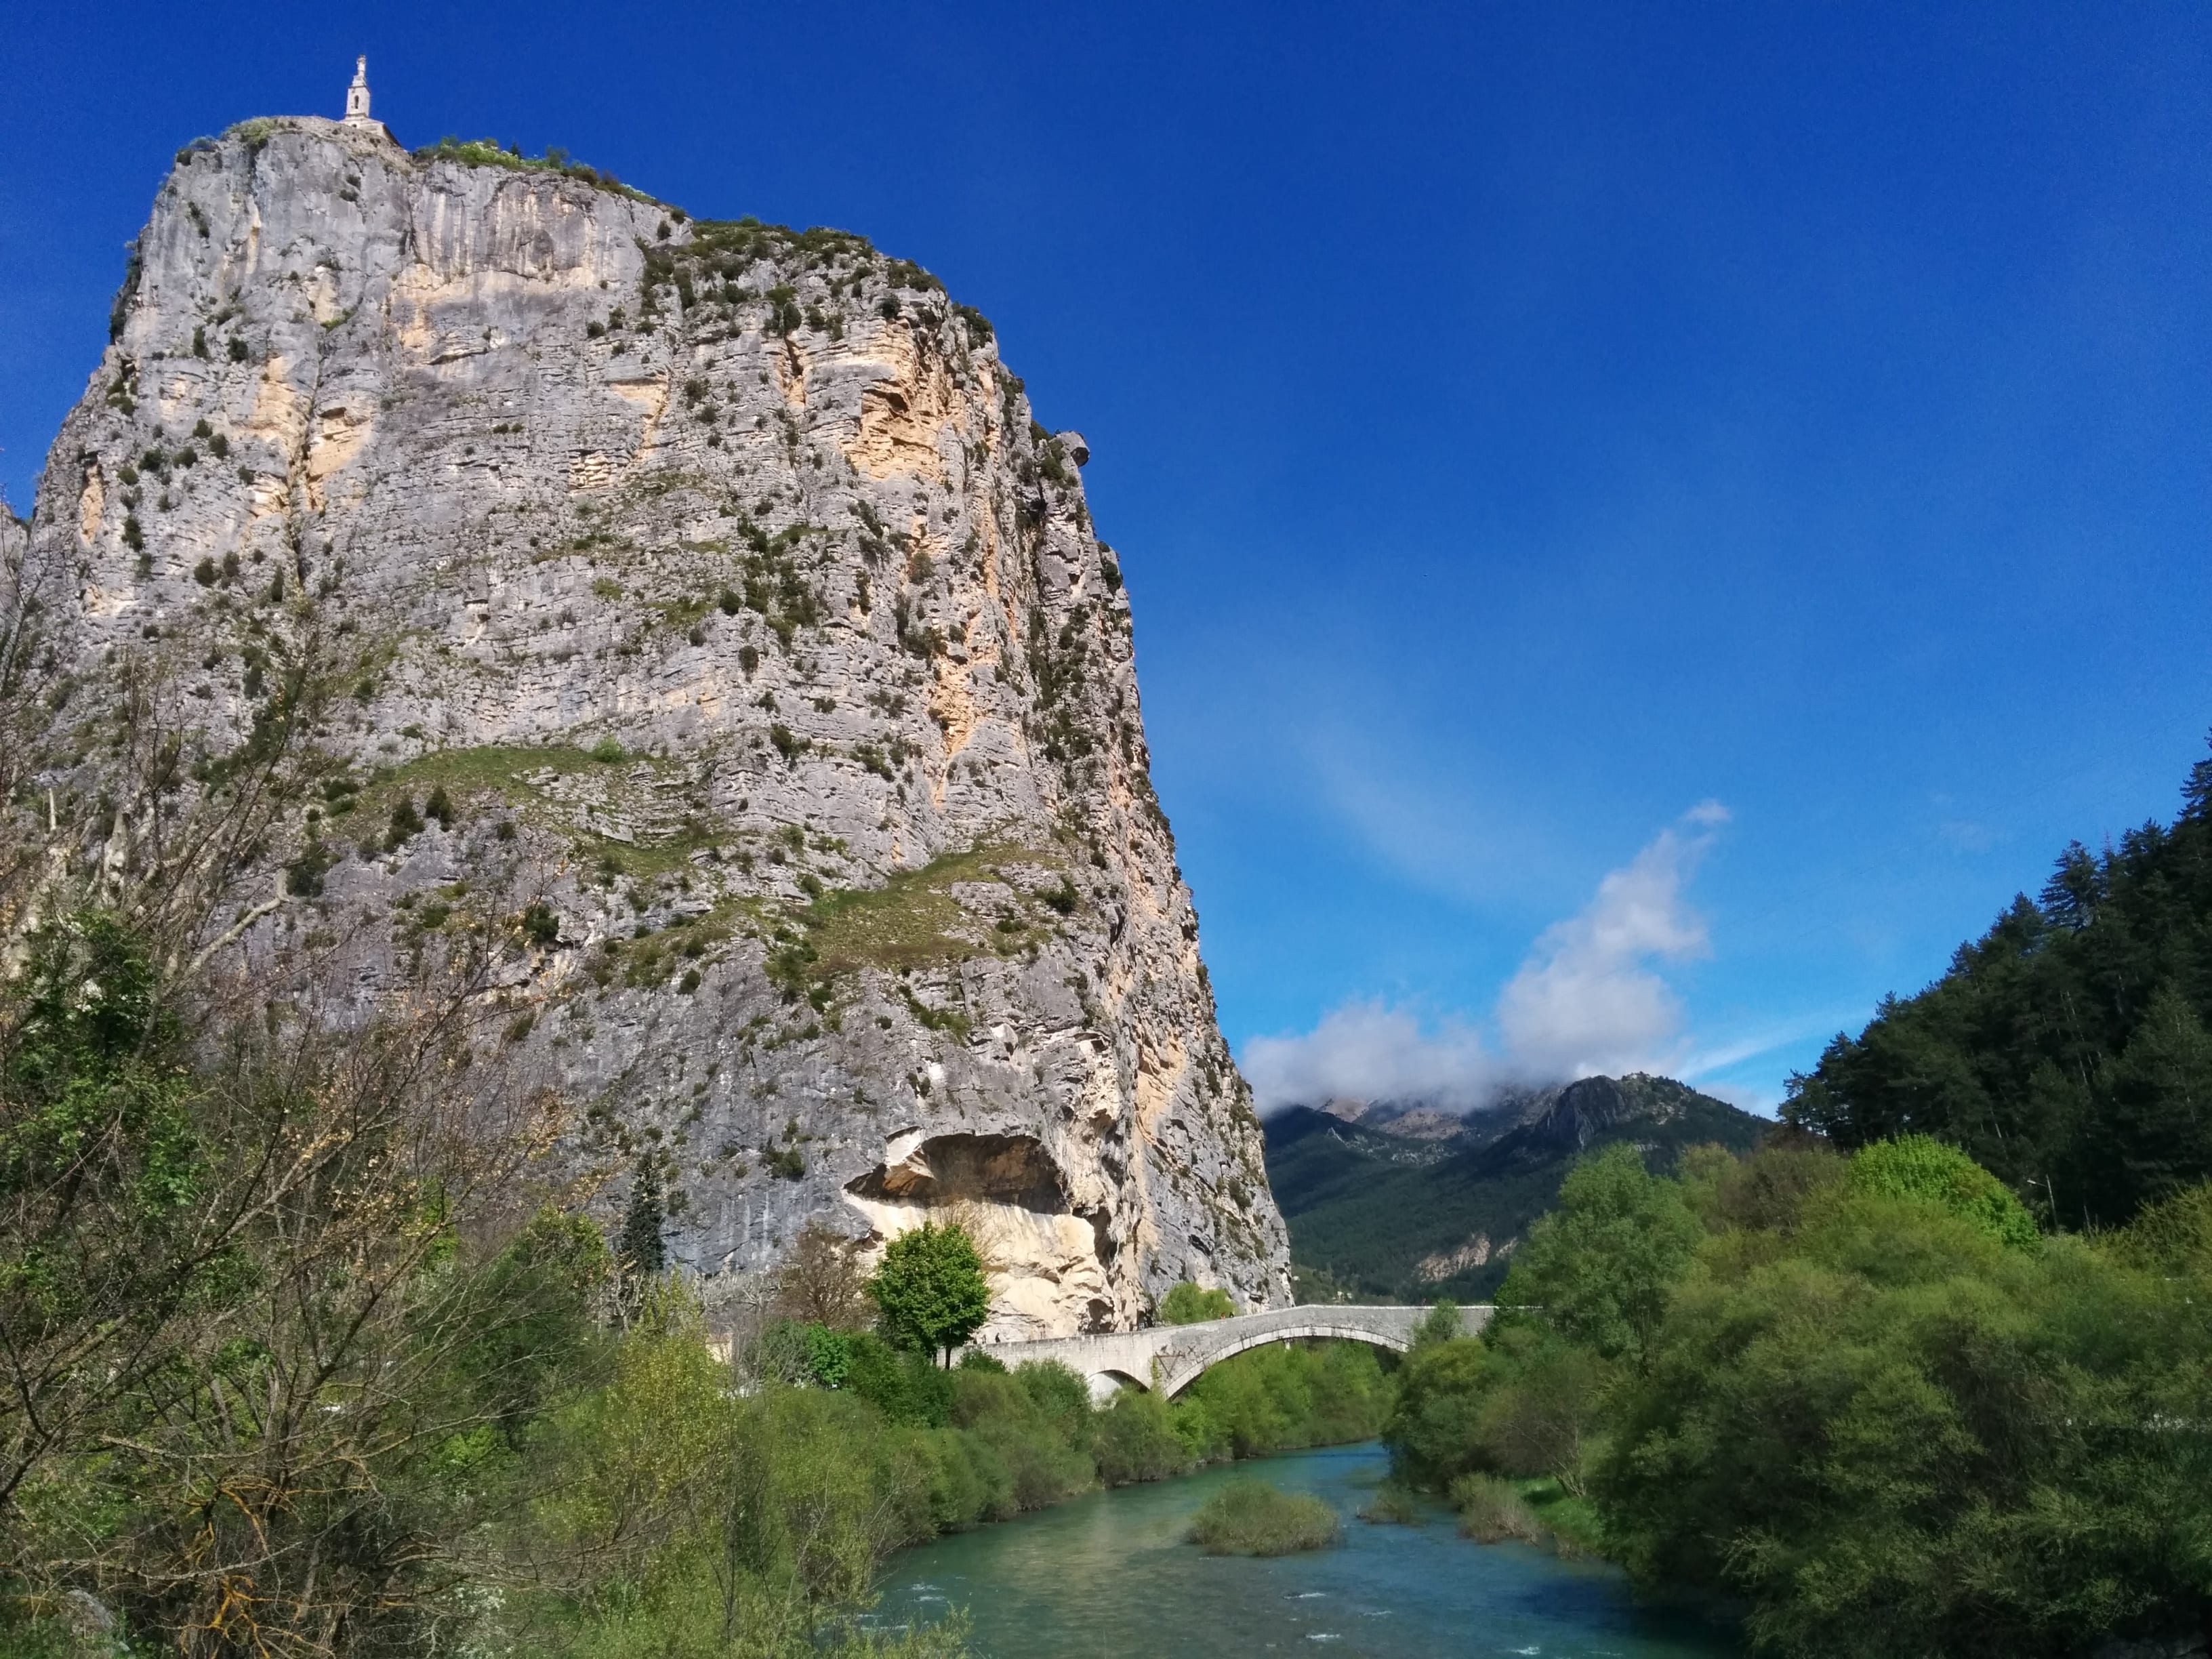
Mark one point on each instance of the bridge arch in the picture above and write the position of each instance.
(1168, 1359)
(1195, 1365)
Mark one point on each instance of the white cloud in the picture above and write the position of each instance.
(1364, 1050)
(1587, 1000)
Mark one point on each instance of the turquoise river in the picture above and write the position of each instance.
(1108, 1575)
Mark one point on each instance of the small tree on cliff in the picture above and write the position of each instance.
(1187, 1305)
(930, 1288)
(644, 1249)
(820, 1282)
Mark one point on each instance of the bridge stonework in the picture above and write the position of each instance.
(1170, 1358)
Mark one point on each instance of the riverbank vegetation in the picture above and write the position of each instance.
(310, 1350)
(1857, 1395)
(1928, 1372)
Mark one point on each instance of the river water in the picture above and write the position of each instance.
(1108, 1575)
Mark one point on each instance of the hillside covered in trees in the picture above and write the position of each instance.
(1376, 1213)
(2066, 1050)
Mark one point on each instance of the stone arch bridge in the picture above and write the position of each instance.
(1170, 1358)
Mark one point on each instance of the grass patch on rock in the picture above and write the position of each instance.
(1250, 1517)
(913, 920)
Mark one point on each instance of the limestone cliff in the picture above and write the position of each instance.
(711, 583)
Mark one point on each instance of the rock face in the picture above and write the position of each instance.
(711, 584)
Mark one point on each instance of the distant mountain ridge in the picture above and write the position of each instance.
(1374, 1211)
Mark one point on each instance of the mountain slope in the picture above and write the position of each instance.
(698, 603)
(1375, 1215)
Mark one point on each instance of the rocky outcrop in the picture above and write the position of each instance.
(710, 587)
(1577, 1114)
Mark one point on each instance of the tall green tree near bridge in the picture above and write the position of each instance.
(930, 1288)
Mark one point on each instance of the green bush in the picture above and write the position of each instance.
(406, 824)
(1920, 1168)
(1135, 1440)
(1491, 1510)
(1042, 1467)
(1250, 1517)
(906, 1386)
(1393, 1505)
(1904, 1433)
(1187, 1305)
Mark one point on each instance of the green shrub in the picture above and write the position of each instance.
(1491, 1510)
(1187, 1305)
(906, 1386)
(1250, 1517)
(1903, 1433)
(1042, 1467)
(608, 752)
(1062, 1398)
(1135, 1440)
(303, 876)
(1285, 1397)
(1919, 1168)
(1393, 1506)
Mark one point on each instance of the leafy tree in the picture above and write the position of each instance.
(820, 1281)
(1601, 1268)
(1896, 1432)
(1548, 1409)
(1137, 1440)
(931, 1290)
(1187, 1305)
(1441, 1323)
(1435, 1429)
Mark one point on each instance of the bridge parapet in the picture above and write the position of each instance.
(1170, 1358)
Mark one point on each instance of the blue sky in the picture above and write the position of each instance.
(1647, 525)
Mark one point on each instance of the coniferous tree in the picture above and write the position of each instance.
(644, 1247)
(2067, 1048)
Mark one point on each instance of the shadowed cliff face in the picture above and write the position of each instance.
(699, 602)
